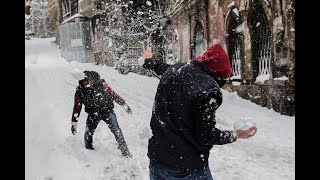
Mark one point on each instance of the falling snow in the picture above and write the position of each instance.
(51, 151)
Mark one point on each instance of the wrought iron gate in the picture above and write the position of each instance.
(236, 60)
(263, 42)
(235, 50)
(234, 41)
(198, 41)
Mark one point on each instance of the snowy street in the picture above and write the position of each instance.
(52, 152)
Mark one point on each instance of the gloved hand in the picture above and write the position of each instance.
(73, 127)
(127, 109)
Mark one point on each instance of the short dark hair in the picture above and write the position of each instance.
(95, 75)
(92, 75)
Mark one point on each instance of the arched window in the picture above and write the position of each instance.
(261, 43)
(198, 40)
(234, 41)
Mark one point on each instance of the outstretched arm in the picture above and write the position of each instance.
(76, 112)
(76, 107)
(113, 95)
(151, 63)
(156, 65)
(116, 98)
(207, 133)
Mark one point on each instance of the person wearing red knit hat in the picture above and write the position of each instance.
(217, 61)
(183, 115)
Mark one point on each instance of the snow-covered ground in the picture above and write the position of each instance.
(52, 152)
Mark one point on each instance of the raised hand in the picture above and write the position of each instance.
(146, 52)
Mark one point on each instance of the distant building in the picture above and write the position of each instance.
(74, 32)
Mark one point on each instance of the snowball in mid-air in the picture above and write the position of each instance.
(148, 3)
(77, 74)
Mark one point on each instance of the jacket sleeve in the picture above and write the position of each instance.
(205, 109)
(156, 65)
(115, 97)
(76, 107)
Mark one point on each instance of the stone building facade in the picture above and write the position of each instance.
(259, 36)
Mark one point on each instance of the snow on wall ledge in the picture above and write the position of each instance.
(262, 78)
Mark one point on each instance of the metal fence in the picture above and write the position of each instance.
(75, 41)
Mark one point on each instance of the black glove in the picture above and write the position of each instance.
(73, 128)
(127, 109)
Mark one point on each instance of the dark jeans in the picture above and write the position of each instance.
(111, 120)
(159, 171)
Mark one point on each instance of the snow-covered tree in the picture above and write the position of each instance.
(148, 17)
(38, 18)
(127, 24)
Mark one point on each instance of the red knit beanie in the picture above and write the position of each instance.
(217, 61)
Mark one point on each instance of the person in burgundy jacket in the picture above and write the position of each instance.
(183, 121)
(97, 97)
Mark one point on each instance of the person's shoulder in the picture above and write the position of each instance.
(104, 83)
(202, 81)
(201, 76)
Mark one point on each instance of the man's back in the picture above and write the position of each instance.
(174, 120)
(183, 118)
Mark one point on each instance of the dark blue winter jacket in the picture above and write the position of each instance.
(183, 116)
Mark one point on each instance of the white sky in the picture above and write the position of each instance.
(53, 152)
